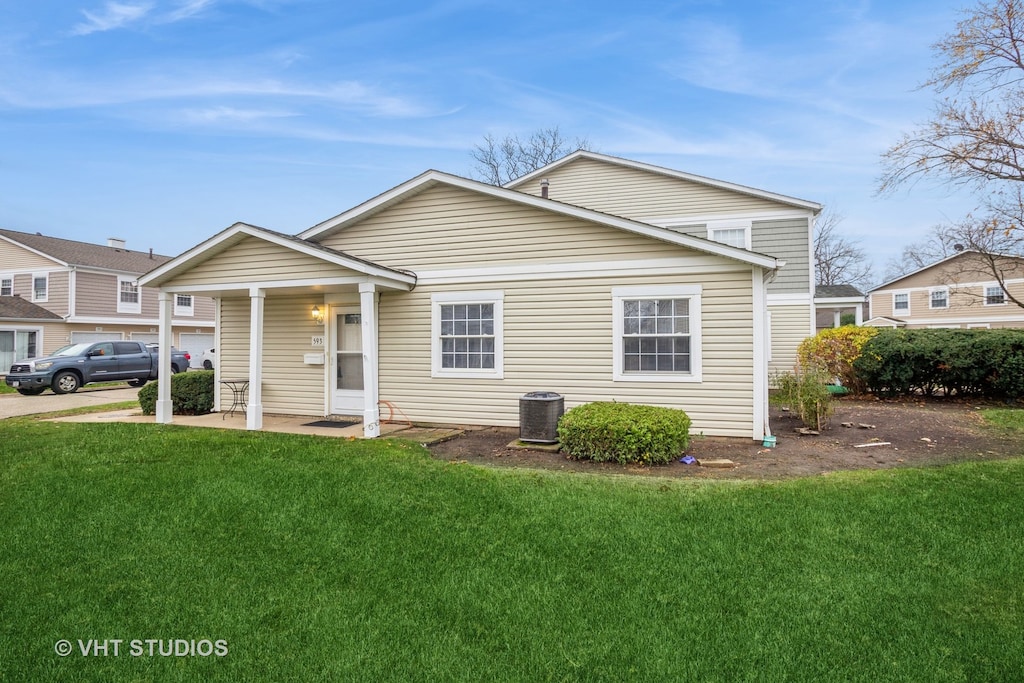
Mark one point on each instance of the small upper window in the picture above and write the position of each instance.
(734, 233)
(40, 287)
(901, 302)
(939, 298)
(6, 286)
(128, 295)
(994, 295)
(183, 304)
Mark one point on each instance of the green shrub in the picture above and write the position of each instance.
(805, 392)
(191, 393)
(955, 362)
(835, 350)
(624, 433)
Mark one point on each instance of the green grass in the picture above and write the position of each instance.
(321, 559)
(1005, 419)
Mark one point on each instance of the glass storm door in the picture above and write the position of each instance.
(347, 370)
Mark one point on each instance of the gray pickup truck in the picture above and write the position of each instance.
(70, 367)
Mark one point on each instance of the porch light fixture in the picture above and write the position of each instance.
(318, 315)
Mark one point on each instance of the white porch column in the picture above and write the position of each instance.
(254, 411)
(836, 317)
(858, 314)
(164, 406)
(368, 316)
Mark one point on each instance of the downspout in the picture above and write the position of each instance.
(767, 276)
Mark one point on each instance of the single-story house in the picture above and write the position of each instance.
(445, 300)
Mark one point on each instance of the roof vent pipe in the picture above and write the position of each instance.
(151, 252)
(544, 188)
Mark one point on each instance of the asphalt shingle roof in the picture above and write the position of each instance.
(14, 307)
(86, 254)
(836, 291)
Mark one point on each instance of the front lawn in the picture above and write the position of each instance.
(322, 559)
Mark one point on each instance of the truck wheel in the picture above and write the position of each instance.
(65, 383)
(136, 382)
(174, 370)
(32, 391)
(207, 365)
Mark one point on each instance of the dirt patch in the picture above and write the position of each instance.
(917, 434)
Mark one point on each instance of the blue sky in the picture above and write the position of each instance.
(165, 121)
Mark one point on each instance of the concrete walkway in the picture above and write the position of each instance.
(13, 405)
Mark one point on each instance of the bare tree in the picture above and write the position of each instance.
(976, 137)
(940, 243)
(838, 260)
(501, 161)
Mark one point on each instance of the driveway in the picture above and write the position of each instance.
(12, 405)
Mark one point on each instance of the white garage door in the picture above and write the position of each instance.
(82, 337)
(194, 344)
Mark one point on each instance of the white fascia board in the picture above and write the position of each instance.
(838, 301)
(214, 289)
(154, 277)
(152, 322)
(569, 271)
(752, 216)
(661, 170)
(15, 242)
(430, 178)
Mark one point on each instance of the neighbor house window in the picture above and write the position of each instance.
(901, 302)
(6, 285)
(40, 287)
(733, 233)
(128, 297)
(183, 304)
(939, 298)
(657, 333)
(994, 295)
(467, 334)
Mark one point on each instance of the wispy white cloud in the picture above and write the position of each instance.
(114, 15)
(186, 10)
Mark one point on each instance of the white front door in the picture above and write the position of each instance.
(347, 362)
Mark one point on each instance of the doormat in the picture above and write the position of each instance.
(331, 423)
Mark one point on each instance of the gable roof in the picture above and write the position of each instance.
(239, 231)
(672, 173)
(74, 253)
(430, 179)
(17, 308)
(886, 285)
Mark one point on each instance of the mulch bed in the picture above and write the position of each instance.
(919, 433)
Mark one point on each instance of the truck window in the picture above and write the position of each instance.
(126, 347)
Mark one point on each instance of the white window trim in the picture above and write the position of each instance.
(493, 297)
(123, 307)
(46, 296)
(691, 292)
(896, 312)
(930, 304)
(185, 311)
(984, 294)
(735, 224)
(8, 276)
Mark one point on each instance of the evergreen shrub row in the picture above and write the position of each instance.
(624, 433)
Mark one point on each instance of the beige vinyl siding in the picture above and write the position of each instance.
(788, 240)
(966, 306)
(560, 339)
(445, 226)
(633, 193)
(57, 290)
(290, 387)
(14, 258)
(254, 260)
(96, 294)
(203, 308)
(790, 325)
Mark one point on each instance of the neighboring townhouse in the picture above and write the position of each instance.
(960, 291)
(445, 300)
(89, 292)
